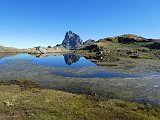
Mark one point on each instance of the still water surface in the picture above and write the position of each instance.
(75, 73)
(65, 61)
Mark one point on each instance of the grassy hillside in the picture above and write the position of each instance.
(127, 45)
(20, 103)
(131, 45)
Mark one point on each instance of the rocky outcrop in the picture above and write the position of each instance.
(92, 48)
(89, 42)
(71, 41)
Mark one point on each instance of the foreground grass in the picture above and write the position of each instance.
(44, 104)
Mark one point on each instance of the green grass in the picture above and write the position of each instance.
(120, 46)
(116, 49)
(46, 104)
(122, 49)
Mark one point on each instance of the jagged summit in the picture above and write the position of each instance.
(72, 41)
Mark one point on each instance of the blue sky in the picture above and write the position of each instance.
(29, 23)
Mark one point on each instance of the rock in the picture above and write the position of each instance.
(131, 52)
(101, 52)
(38, 47)
(134, 56)
(49, 46)
(89, 42)
(92, 48)
(72, 41)
(8, 104)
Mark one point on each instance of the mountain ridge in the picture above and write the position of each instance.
(73, 41)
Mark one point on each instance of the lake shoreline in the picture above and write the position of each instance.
(140, 89)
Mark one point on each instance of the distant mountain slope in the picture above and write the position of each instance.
(45, 50)
(35, 50)
(8, 49)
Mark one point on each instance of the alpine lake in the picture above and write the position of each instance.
(136, 80)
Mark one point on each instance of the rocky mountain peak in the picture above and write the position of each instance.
(71, 40)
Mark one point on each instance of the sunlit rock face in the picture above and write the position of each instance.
(72, 41)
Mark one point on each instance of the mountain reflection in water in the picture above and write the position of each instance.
(71, 58)
(68, 58)
(54, 59)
